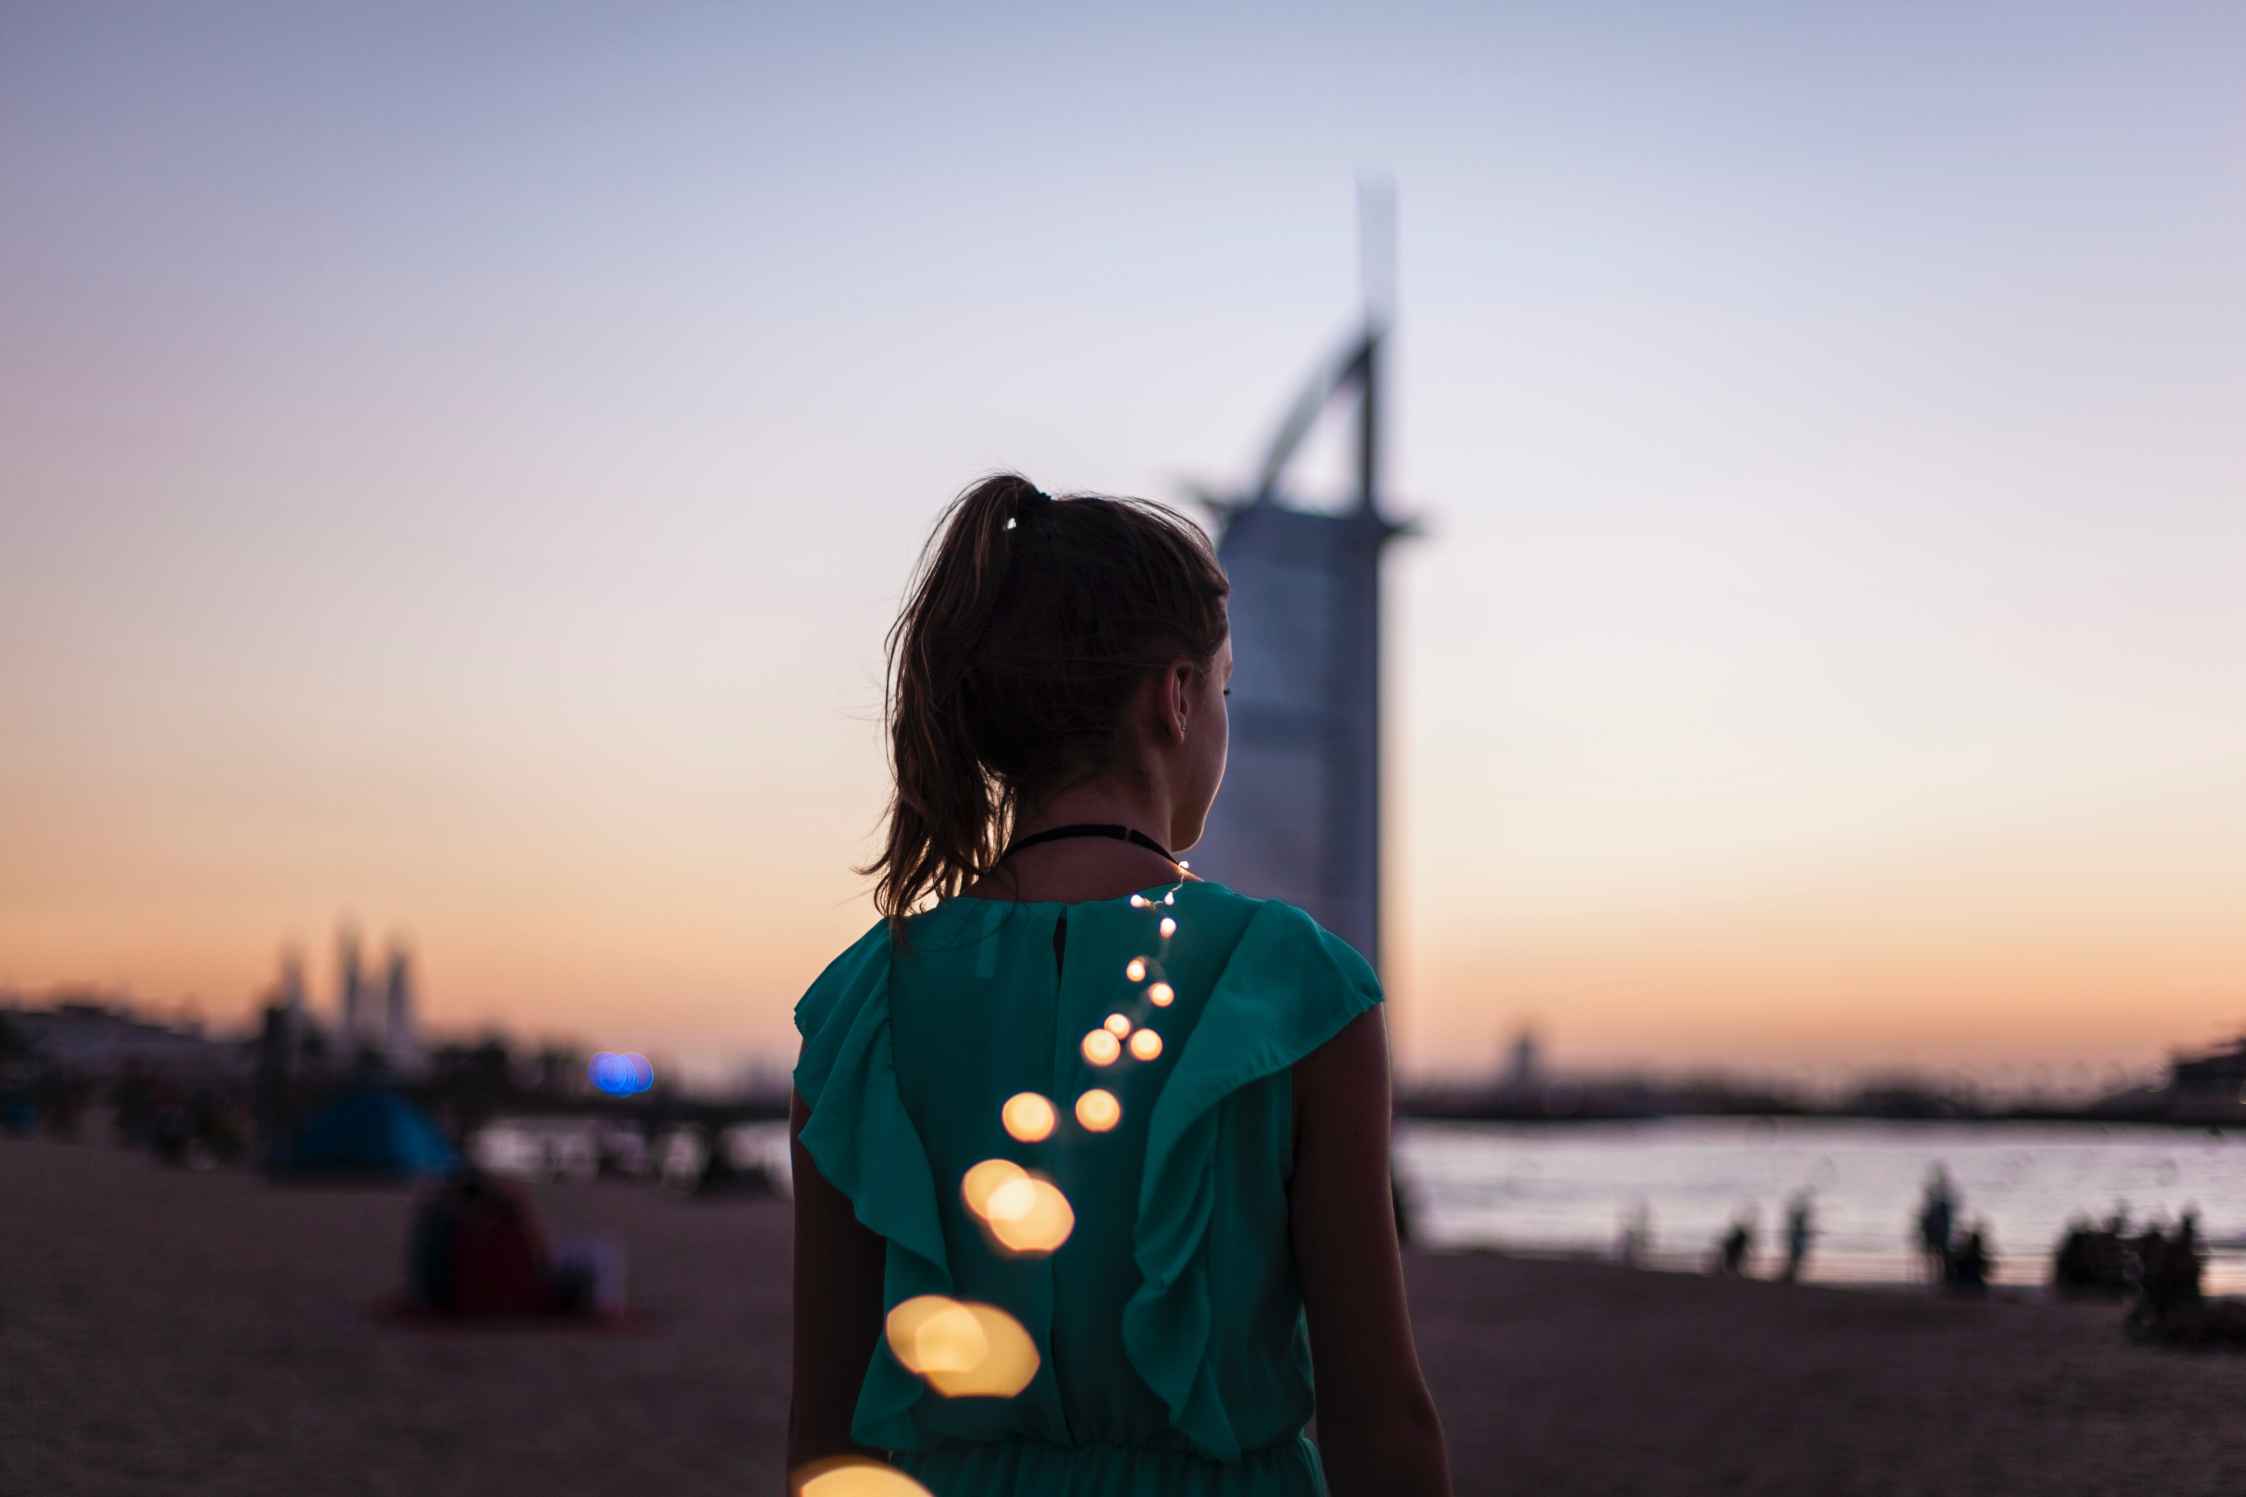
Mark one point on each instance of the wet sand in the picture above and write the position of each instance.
(163, 1333)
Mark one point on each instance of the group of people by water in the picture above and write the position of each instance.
(1958, 1259)
(2113, 1258)
(2157, 1267)
(1735, 1250)
(2160, 1271)
(1961, 1260)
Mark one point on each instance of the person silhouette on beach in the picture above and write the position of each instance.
(1738, 1245)
(1091, 1155)
(1970, 1262)
(1937, 1217)
(1636, 1238)
(1800, 1230)
(2172, 1267)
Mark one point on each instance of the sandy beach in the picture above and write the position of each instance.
(163, 1332)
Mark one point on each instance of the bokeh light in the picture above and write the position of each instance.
(1161, 994)
(852, 1476)
(620, 1073)
(979, 1182)
(1030, 1216)
(1012, 1200)
(932, 1332)
(963, 1348)
(1028, 1117)
(1169, 926)
(1009, 1359)
(1101, 1048)
(1146, 1044)
(1135, 969)
(1140, 902)
(1097, 1110)
(951, 1340)
(1118, 1025)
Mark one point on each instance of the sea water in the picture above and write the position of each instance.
(1569, 1187)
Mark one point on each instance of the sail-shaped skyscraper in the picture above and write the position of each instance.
(1300, 817)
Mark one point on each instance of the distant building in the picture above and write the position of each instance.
(351, 994)
(297, 1030)
(1524, 1067)
(289, 992)
(1300, 819)
(2209, 1084)
(401, 1045)
(100, 1041)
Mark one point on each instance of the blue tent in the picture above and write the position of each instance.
(368, 1134)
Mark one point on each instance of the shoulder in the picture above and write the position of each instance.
(853, 990)
(1290, 935)
(863, 961)
(1287, 987)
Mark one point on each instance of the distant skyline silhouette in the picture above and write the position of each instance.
(463, 469)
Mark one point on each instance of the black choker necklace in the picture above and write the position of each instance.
(1088, 829)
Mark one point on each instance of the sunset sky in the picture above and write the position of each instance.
(460, 468)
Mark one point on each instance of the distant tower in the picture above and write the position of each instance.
(288, 993)
(1300, 816)
(1524, 1070)
(400, 1043)
(350, 990)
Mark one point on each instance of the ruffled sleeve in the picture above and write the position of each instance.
(1289, 987)
(825, 1013)
(866, 1146)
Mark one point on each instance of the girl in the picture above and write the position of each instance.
(1091, 1156)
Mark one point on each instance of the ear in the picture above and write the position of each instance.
(1177, 698)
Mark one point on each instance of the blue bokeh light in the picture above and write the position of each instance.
(621, 1073)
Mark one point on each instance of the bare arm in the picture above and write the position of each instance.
(1377, 1427)
(837, 1307)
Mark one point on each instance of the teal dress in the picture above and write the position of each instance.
(1172, 1354)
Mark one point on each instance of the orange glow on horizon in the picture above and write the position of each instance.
(2071, 952)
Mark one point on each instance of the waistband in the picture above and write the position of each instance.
(1288, 1467)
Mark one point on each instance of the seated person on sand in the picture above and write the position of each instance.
(476, 1251)
(1970, 1262)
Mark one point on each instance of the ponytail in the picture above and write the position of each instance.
(1029, 622)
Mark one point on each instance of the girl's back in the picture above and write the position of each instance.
(1171, 1320)
(1084, 1176)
